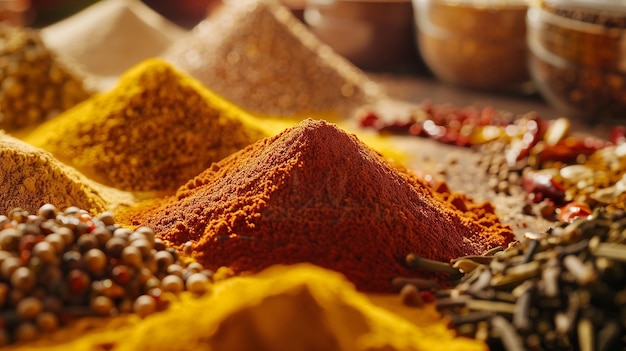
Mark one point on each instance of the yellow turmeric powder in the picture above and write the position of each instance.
(300, 307)
(30, 177)
(152, 132)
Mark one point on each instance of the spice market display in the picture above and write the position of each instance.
(239, 185)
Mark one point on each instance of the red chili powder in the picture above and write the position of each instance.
(314, 193)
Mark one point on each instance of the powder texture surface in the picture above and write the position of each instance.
(35, 84)
(154, 131)
(314, 193)
(291, 308)
(258, 55)
(30, 178)
(111, 36)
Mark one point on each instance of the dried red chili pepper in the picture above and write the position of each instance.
(574, 210)
(541, 185)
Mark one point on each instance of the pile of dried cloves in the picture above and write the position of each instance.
(564, 289)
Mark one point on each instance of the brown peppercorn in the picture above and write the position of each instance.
(47, 321)
(131, 255)
(194, 267)
(159, 244)
(102, 235)
(107, 218)
(95, 261)
(57, 242)
(410, 296)
(5, 338)
(9, 239)
(102, 305)
(23, 279)
(115, 246)
(67, 234)
(45, 252)
(123, 233)
(147, 232)
(144, 305)
(47, 211)
(26, 332)
(9, 265)
(28, 308)
(163, 260)
(86, 242)
(173, 284)
(197, 283)
(144, 246)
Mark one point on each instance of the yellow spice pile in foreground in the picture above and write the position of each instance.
(283, 308)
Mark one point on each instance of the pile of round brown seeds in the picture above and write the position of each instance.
(58, 266)
(34, 83)
(564, 289)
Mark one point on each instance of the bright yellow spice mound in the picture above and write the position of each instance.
(155, 130)
(291, 308)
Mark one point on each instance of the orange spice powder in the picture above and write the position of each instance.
(314, 193)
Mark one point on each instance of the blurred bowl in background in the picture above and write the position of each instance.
(375, 35)
(578, 56)
(475, 43)
(15, 12)
(296, 7)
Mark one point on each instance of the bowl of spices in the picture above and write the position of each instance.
(475, 43)
(578, 56)
(372, 34)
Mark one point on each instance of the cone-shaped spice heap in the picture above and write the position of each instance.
(109, 37)
(30, 178)
(314, 193)
(154, 131)
(35, 84)
(258, 55)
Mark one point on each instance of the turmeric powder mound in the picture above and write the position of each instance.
(258, 55)
(314, 193)
(299, 307)
(30, 178)
(154, 131)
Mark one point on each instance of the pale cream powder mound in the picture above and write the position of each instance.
(111, 36)
(256, 54)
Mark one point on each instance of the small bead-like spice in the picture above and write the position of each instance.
(34, 84)
(45, 285)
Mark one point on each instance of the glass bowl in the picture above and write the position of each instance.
(475, 43)
(578, 56)
(375, 35)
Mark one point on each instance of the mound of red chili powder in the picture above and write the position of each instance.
(317, 194)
